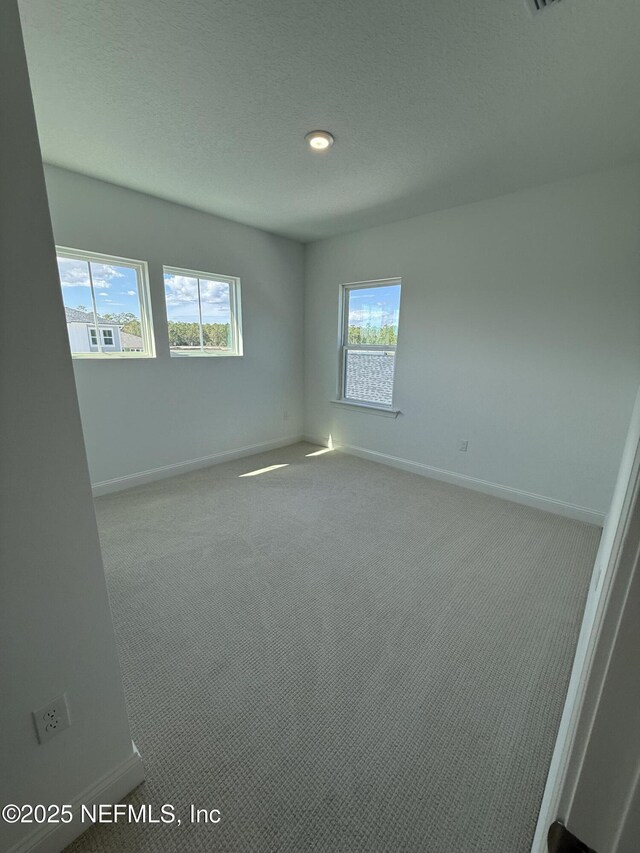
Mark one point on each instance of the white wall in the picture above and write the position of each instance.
(141, 414)
(56, 633)
(605, 755)
(519, 331)
(598, 743)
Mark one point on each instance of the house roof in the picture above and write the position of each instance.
(129, 341)
(76, 316)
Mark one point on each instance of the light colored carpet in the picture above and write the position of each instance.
(340, 656)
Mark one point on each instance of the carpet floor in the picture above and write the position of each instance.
(339, 656)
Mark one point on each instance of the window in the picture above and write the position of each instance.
(107, 337)
(369, 334)
(203, 313)
(106, 302)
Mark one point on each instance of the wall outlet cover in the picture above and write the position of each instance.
(52, 718)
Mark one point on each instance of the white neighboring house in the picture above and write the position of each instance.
(83, 334)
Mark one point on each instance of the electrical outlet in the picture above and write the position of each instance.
(52, 719)
(463, 446)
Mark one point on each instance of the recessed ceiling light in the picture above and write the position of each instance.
(319, 140)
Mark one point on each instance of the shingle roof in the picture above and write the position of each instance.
(76, 316)
(130, 341)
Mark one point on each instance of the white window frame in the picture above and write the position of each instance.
(104, 338)
(146, 318)
(343, 344)
(93, 336)
(235, 313)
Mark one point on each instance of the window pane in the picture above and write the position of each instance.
(78, 304)
(183, 315)
(118, 306)
(216, 315)
(373, 314)
(368, 376)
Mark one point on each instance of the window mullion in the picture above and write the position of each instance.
(200, 317)
(345, 316)
(230, 338)
(345, 354)
(232, 344)
(95, 310)
(345, 341)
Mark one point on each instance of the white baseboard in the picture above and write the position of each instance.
(569, 510)
(118, 484)
(110, 789)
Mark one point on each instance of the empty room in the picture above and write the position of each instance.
(320, 425)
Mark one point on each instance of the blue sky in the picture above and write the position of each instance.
(116, 287)
(374, 306)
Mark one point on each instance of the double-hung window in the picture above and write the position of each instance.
(107, 305)
(368, 339)
(203, 313)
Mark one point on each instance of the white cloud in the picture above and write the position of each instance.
(181, 289)
(75, 273)
(105, 272)
(104, 294)
(376, 316)
(131, 293)
(215, 292)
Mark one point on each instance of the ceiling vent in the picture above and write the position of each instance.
(541, 5)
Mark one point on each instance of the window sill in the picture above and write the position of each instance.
(372, 409)
(206, 355)
(111, 356)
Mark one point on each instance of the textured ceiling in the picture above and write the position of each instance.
(433, 103)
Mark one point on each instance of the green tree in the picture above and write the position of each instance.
(132, 327)
(216, 335)
(182, 334)
(373, 335)
(119, 319)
